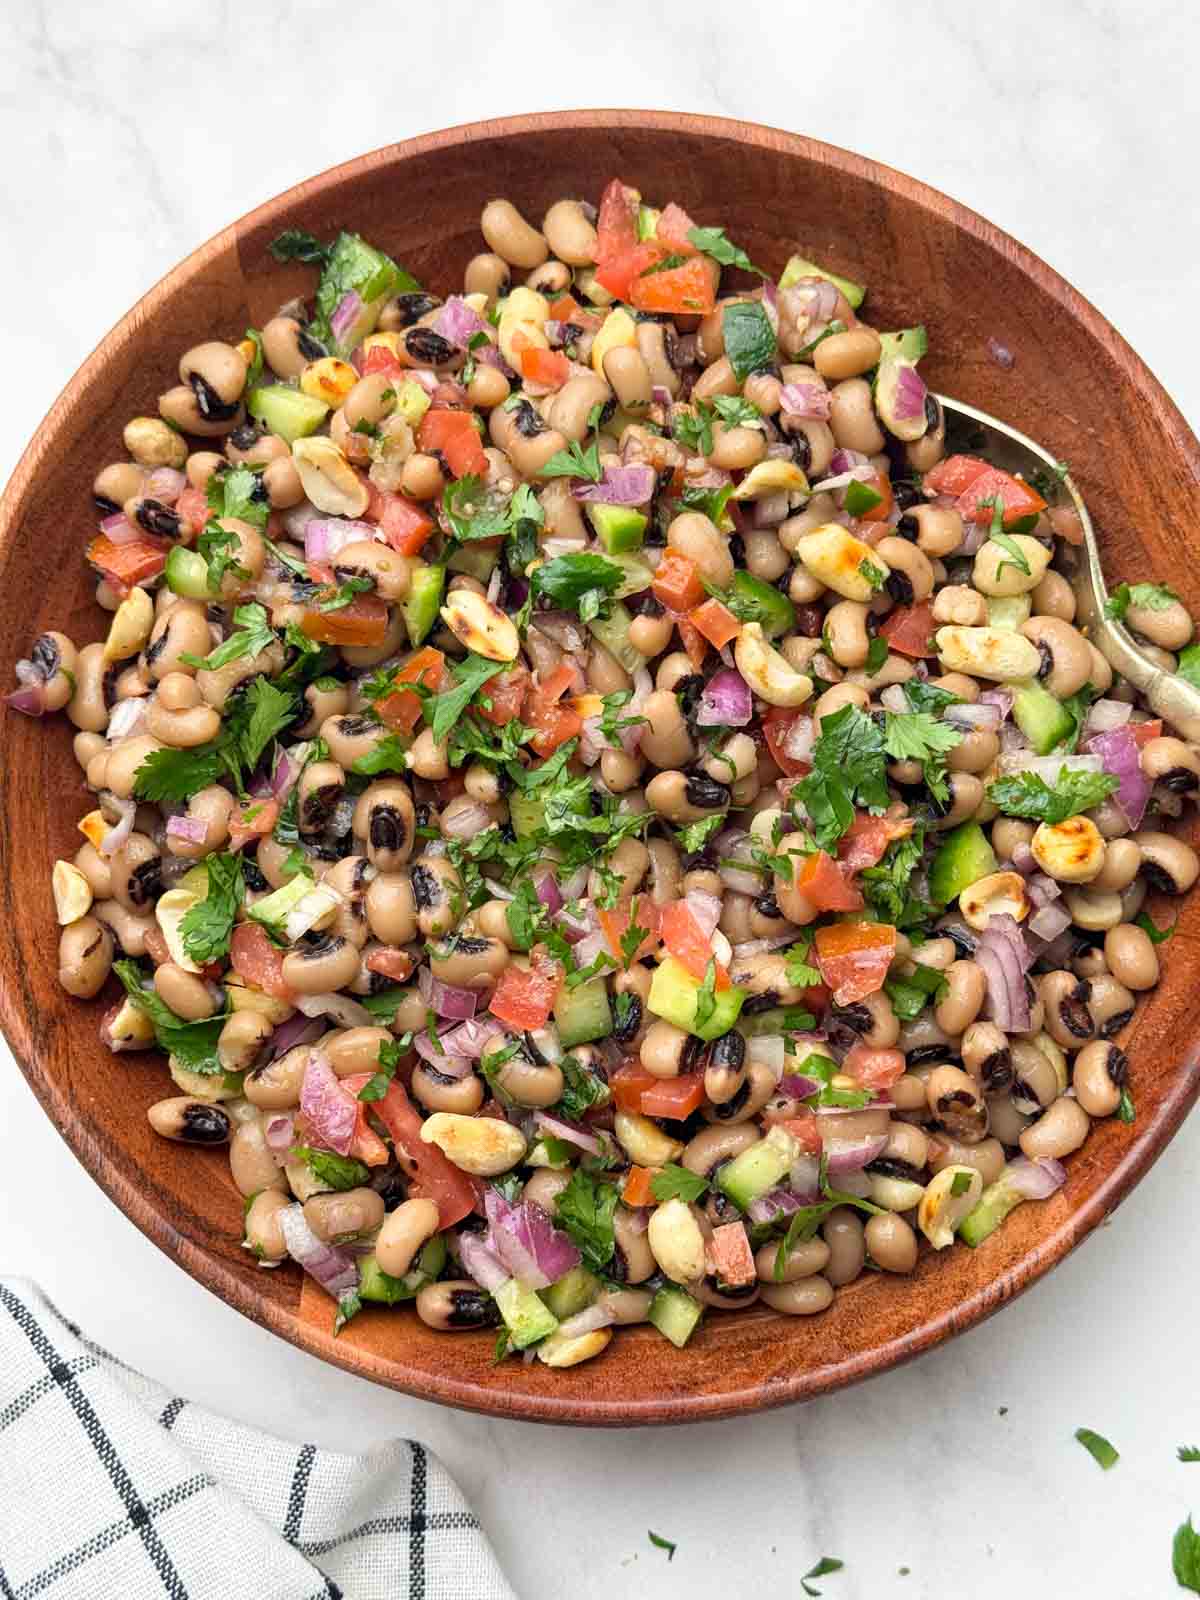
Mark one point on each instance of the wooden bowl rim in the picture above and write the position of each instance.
(138, 1204)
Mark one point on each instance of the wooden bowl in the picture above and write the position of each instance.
(1075, 386)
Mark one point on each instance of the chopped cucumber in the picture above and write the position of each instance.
(752, 600)
(377, 1285)
(674, 994)
(964, 857)
(583, 1013)
(1041, 718)
(908, 344)
(995, 1203)
(613, 633)
(675, 1314)
(638, 576)
(573, 1292)
(287, 412)
(526, 812)
(476, 560)
(798, 267)
(525, 1316)
(647, 222)
(758, 1170)
(186, 573)
(618, 528)
(420, 609)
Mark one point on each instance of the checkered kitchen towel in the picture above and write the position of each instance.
(110, 1489)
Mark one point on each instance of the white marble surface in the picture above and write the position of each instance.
(131, 132)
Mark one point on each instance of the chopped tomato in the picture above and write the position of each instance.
(677, 584)
(1143, 732)
(693, 641)
(641, 912)
(365, 1144)
(675, 1098)
(686, 940)
(194, 508)
(882, 486)
(257, 962)
(628, 1083)
(455, 435)
(873, 1067)
(403, 523)
(673, 227)
(854, 958)
(363, 621)
(777, 724)
(1020, 501)
(954, 475)
(555, 724)
(126, 565)
(555, 685)
(384, 361)
(803, 1127)
(393, 964)
(565, 309)
(865, 842)
(620, 271)
(823, 883)
(401, 709)
(616, 224)
(525, 999)
(547, 367)
(728, 1256)
(716, 622)
(637, 1190)
(910, 630)
(506, 692)
(253, 822)
(430, 1172)
(690, 289)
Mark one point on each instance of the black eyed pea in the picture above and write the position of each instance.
(152, 443)
(186, 994)
(664, 870)
(1131, 956)
(529, 1084)
(86, 707)
(483, 1146)
(487, 389)
(385, 818)
(249, 446)
(275, 1085)
(216, 685)
(368, 558)
(629, 376)
(630, 862)
(686, 797)
(652, 342)
(764, 390)
(323, 705)
(693, 535)
(469, 962)
(217, 373)
(491, 922)
(437, 895)
(907, 1144)
(758, 1087)
(96, 869)
(86, 746)
(717, 378)
(251, 1162)
(55, 657)
(986, 1056)
(1054, 597)
(1168, 864)
(737, 449)
(804, 1298)
(191, 409)
(1170, 628)
(1008, 833)
(1101, 675)
(511, 237)
(282, 483)
(550, 279)
(136, 874)
(351, 737)
(839, 696)
(737, 758)
(1110, 1005)
(422, 477)
(129, 931)
(1172, 763)
(353, 1050)
(264, 1232)
(124, 759)
(1098, 1077)
(319, 793)
(1088, 960)
(1066, 655)
(664, 1049)
(427, 758)
(957, 1104)
(1094, 910)
(605, 674)
(242, 1039)
(456, 1305)
(391, 908)
(765, 556)
(85, 957)
(568, 414)
(1058, 1132)
(846, 355)
(975, 752)
(284, 344)
(405, 1230)
(910, 578)
(843, 1232)
(182, 629)
(673, 671)
(321, 967)
(963, 999)
(874, 1020)
(938, 530)
(348, 1214)
(1068, 1018)
(175, 716)
(712, 1147)
(121, 481)
(997, 572)
(190, 1121)
(813, 446)
(846, 631)
(725, 1073)
(676, 1241)
(987, 1157)
(213, 806)
(891, 1243)
(801, 1261)
(482, 783)
(665, 738)
(852, 416)
(1071, 851)
(628, 1306)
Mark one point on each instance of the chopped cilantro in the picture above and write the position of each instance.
(389, 755)
(296, 244)
(193, 1044)
(823, 1568)
(390, 1052)
(476, 512)
(1146, 596)
(696, 835)
(749, 338)
(237, 492)
(1126, 1110)
(585, 1210)
(910, 995)
(715, 242)
(336, 599)
(1153, 932)
(169, 777)
(677, 1183)
(660, 1543)
(849, 769)
(1188, 1452)
(575, 462)
(1098, 1447)
(206, 926)
(251, 637)
(339, 1172)
(917, 736)
(1185, 1557)
(569, 580)
(1026, 794)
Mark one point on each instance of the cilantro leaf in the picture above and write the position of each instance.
(168, 777)
(1098, 1447)
(252, 636)
(390, 1053)
(389, 755)
(575, 462)
(706, 995)
(885, 886)
(296, 244)
(1188, 1452)
(800, 973)
(877, 654)
(1150, 928)
(585, 1210)
(1027, 794)
(660, 1543)
(849, 769)
(474, 511)
(384, 1004)
(1146, 596)
(712, 502)
(442, 711)
(217, 547)
(734, 411)
(265, 712)
(749, 337)
(582, 1091)
(823, 1568)
(339, 1172)
(206, 926)
(1126, 1111)
(693, 429)
(343, 595)
(910, 995)
(715, 242)
(567, 580)
(1185, 1557)
(917, 736)
(696, 835)
(238, 492)
(677, 1183)
(193, 1044)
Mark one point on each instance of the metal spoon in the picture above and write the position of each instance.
(1168, 696)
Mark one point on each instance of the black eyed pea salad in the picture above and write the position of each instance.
(605, 818)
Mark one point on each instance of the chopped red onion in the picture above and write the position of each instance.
(705, 908)
(1049, 767)
(165, 484)
(1119, 752)
(449, 1066)
(563, 544)
(592, 741)
(490, 355)
(661, 395)
(546, 888)
(298, 518)
(1004, 956)
(975, 536)
(809, 401)
(1035, 1180)
(345, 314)
(119, 831)
(479, 1262)
(620, 486)
(347, 1013)
(590, 948)
(843, 460)
(333, 1268)
(1000, 354)
(127, 718)
(298, 1029)
(856, 474)
(190, 828)
(772, 509)
(726, 701)
(470, 1038)
(909, 398)
(279, 1135)
(894, 699)
(1024, 860)
(562, 628)
(459, 322)
(324, 537)
(589, 1320)
(1042, 889)
(804, 1177)
(29, 699)
(767, 1051)
(797, 1087)
(973, 716)
(1002, 699)
(800, 738)
(570, 1132)
(1049, 921)
(119, 530)
(770, 1207)
(445, 999)
(535, 1252)
(1105, 715)
(328, 1109)
(852, 1155)
(467, 822)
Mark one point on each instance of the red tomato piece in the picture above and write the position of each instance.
(910, 630)
(253, 822)
(803, 1127)
(552, 688)
(628, 1083)
(640, 911)
(777, 724)
(393, 964)
(882, 486)
(677, 584)
(401, 710)
(822, 882)
(716, 622)
(865, 842)
(506, 692)
(873, 1067)
(548, 367)
(126, 565)
(693, 641)
(257, 962)
(430, 1171)
(687, 290)
(365, 1145)
(954, 475)
(727, 1254)
(675, 1098)
(525, 999)
(673, 227)
(854, 958)
(1019, 499)
(404, 524)
(382, 360)
(621, 271)
(456, 436)
(637, 1190)
(686, 940)
(1143, 732)
(194, 508)
(555, 724)
(363, 621)
(616, 223)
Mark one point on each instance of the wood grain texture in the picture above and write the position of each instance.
(1075, 386)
